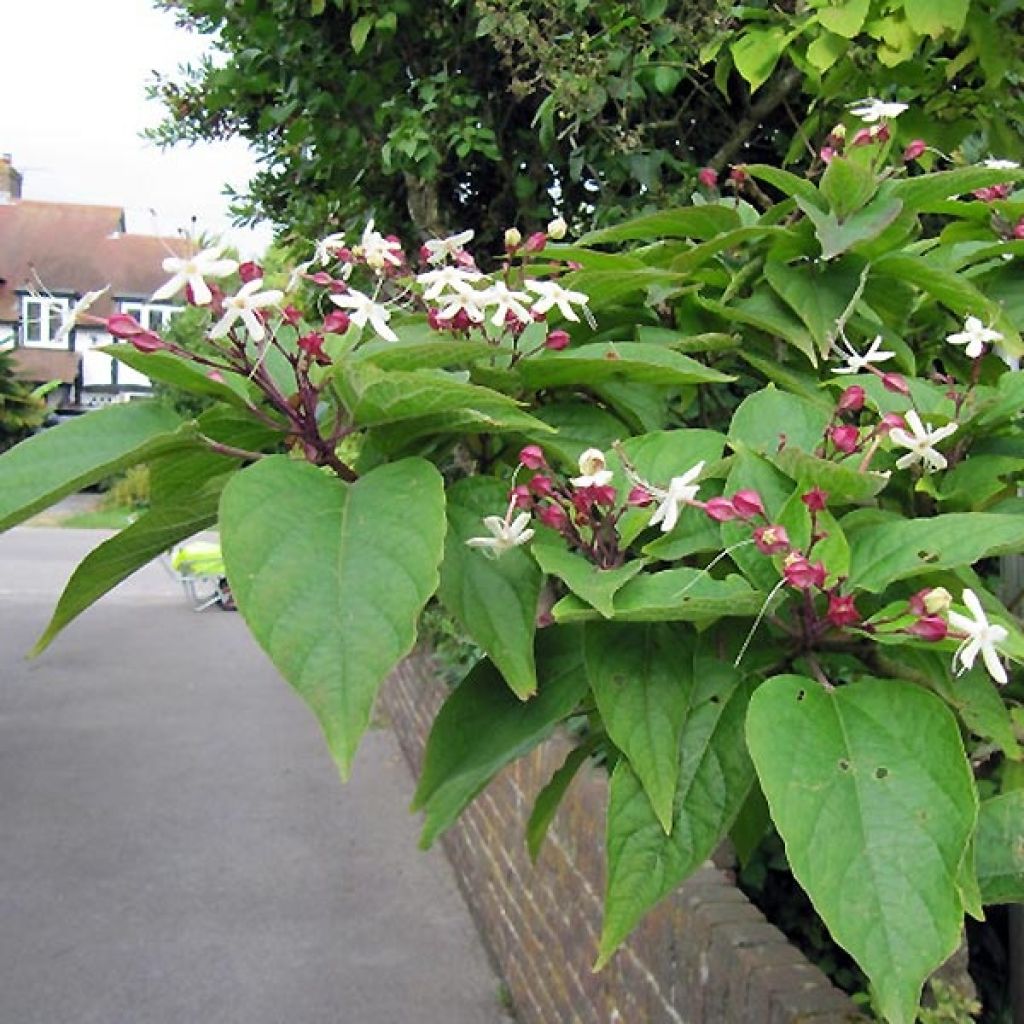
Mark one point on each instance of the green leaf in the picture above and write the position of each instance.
(763, 310)
(63, 459)
(674, 595)
(847, 186)
(547, 802)
(999, 848)
(934, 17)
(360, 30)
(981, 707)
(923, 193)
(594, 585)
(768, 420)
(580, 425)
(898, 550)
(171, 369)
(176, 513)
(756, 53)
(331, 577)
(837, 236)
(845, 18)
(786, 182)
(715, 775)
(871, 791)
(603, 362)
(482, 727)
(418, 354)
(843, 482)
(641, 677)
(696, 257)
(826, 50)
(494, 599)
(700, 222)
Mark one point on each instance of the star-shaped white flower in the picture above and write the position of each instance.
(551, 294)
(297, 274)
(379, 251)
(982, 636)
(436, 282)
(363, 310)
(855, 363)
(506, 533)
(921, 443)
(975, 336)
(71, 317)
(441, 249)
(472, 303)
(243, 305)
(507, 301)
(871, 110)
(680, 492)
(593, 470)
(327, 248)
(191, 271)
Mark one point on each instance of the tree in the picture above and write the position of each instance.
(22, 410)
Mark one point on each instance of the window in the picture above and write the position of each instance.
(153, 318)
(41, 317)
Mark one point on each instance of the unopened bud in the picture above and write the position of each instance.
(536, 242)
(845, 438)
(748, 504)
(639, 497)
(896, 383)
(513, 239)
(852, 399)
(914, 149)
(842, 611)
(708, 177)
(532, 457)
(557, 229)
(929, 627)
(337, 322)
(720, 509)
(250, 271)
(815, 499)
(557, 340)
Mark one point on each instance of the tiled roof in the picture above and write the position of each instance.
(39, 365)
(75, 249)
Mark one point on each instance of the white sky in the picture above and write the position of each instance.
(72, 82)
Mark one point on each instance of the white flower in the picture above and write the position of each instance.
(455, 278)
(981, 636)
(440, 249)
(505, 534)
(191, 271)
(921, 443)
(243, 305)
(506, 301)
(557, 229)
(378, 250)
(855, 363)
(364, 310)
(472, 303)
(1000, 165)
(681, 491)
(975, 336)
(871, 110)
(552, 294)
(593, 471)
(72, 315)
(296, 275)
(327, 248)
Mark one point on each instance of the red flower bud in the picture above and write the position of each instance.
(842, 611)
(993, 192)
(815, 499)
(639, 498)
(557, 340)
(336, 322)
(1018, 229)
(890, 421)
(554, 516)
(435, 321)
(882, 133)
(425, 254)
(708, 177)
(536, 242)
(520, 496)
(826, 153)
(862, 137)
(250, 271)
(291, 315)
(929, 627)
(845, 438)
(896, 383)
(720, 509)
(738, 174)
(541, 486)
(313, 345)
(321, 277)
(770, 540)
(147, 341)
(748, 504)
(852, 399)
(461, 321)
(603, 495)
(801, 573)
(914, 149)
(121, 325)
(532, 457)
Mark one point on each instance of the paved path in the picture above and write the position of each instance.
(175, 846)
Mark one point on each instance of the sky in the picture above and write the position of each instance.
(73, 78)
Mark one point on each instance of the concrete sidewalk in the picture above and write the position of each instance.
(175, 846)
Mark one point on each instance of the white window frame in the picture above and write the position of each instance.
(153, 316)
(47, 313)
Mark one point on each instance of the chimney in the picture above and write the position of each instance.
(10, 180)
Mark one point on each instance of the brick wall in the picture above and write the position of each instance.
(704, 956)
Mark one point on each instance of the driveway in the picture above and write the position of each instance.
(175, 846)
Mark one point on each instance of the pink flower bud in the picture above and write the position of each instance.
(541, 486)
(313, 345)
(435, 321)
(826, 153)
(557, 340)
(738, 174)
(639, 498)
(891, 421)
(291, 315)
(801, 573)
(461, 321)
(708, 177)
(520, 496)
(914, 149)
(425, 254)
(862, 137)
(929, 627)
(748, 504)
(536, 242)
(882, 133)
(513, 323)
(845, 438)
(1018, 229)
(147, 341)
(896, 383)
(532, 457)
(250, 271)
(842, 611)
(603, 495)
(321, 277)
(771, 540)
(815, 499)
(720, 509)
(336, 322)
(852, 399)
(554, 516)
(465, 260)
(992, 193)
(121, 325)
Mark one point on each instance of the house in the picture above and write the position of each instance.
(51, 254)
